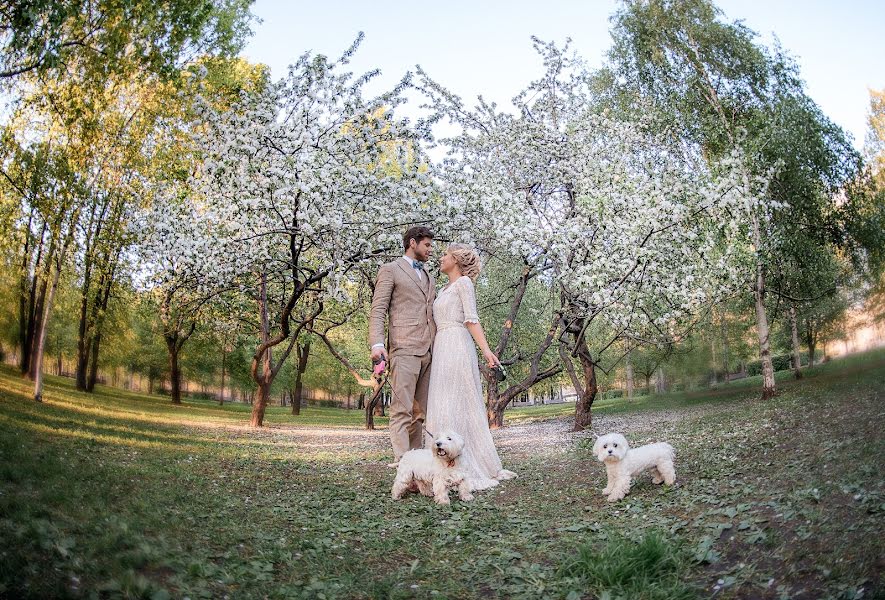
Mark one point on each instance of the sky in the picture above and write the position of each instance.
(484, 46)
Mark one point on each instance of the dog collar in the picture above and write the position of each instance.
(451, 463)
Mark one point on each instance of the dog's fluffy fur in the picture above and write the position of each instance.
(622, 463)
(433, 471)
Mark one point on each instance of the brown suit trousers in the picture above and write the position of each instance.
(408, 301)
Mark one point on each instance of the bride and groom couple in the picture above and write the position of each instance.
(439, 328)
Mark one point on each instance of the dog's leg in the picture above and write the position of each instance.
(612, 473)
(608, 488)
(656, 476)
(668, 471)
(440, 490)
(464, 490)
(425, 488)
(620, 489)
(399, 488)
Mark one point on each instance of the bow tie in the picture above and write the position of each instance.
(417, 264)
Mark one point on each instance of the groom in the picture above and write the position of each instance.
(405, 291)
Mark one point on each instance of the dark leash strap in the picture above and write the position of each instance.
(393, 391)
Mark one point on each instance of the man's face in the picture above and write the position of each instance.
(423, 248)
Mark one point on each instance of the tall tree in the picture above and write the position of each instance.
(626, 224)
(724, 91)
(293, 192)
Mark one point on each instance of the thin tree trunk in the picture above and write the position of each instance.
(41, 337)
(223, 373)
(174, 372)
(725, 348)
(93, 365)
(37, 323)
(302, 352)
(628, 368)
(30, 326)
(794, 338)
(23, 299)
(810, 341)
(762, 329)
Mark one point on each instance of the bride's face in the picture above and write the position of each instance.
(447, 263)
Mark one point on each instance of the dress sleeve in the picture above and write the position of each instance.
(468, 300)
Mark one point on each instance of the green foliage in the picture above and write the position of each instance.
(651, 568)
(45, 38)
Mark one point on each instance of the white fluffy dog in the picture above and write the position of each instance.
(623, 462)
(433, 471)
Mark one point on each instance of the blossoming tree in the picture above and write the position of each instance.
(630, 226)
(294, 190)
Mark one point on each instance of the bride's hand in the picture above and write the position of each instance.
(491, 359)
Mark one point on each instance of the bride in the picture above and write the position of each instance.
(455, 397)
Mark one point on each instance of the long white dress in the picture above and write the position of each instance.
(455, 401)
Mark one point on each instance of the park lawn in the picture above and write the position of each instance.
(123, 495)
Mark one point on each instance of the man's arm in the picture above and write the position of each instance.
(379, 310)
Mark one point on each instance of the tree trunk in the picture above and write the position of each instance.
(628, 368)
(583, 415)
(762, 330)
(725, 359)
(174, 372)
(497, 402)
(377, 387)
(37, 323)
(102, 297)
(33, 313)
(259, 405)
(25, 284)
(660, 381)
(41, 337)
(93, 366)
(302, 352)
(58, 362)
(83, 340)
(794, 338)
(264, 378)
(223, 373)
(810, 341)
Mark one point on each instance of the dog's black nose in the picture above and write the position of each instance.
(439, 444)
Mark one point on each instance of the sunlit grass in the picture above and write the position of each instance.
(724, 392)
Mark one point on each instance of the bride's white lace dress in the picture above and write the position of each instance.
(455, 399)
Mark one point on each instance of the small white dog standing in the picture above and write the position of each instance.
(433, 472)
(623, 462)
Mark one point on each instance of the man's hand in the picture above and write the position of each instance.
(378, 353)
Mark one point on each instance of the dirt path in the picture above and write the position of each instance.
(523, 440)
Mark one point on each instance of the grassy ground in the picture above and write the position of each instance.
(120, 494)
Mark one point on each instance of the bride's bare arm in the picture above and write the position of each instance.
(479, 336)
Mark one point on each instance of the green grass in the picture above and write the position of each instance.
(724, 392)
(125, 495)
(651, 568)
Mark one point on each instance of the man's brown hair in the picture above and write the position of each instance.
(416, 233)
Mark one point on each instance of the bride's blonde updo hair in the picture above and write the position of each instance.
(466, 258)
